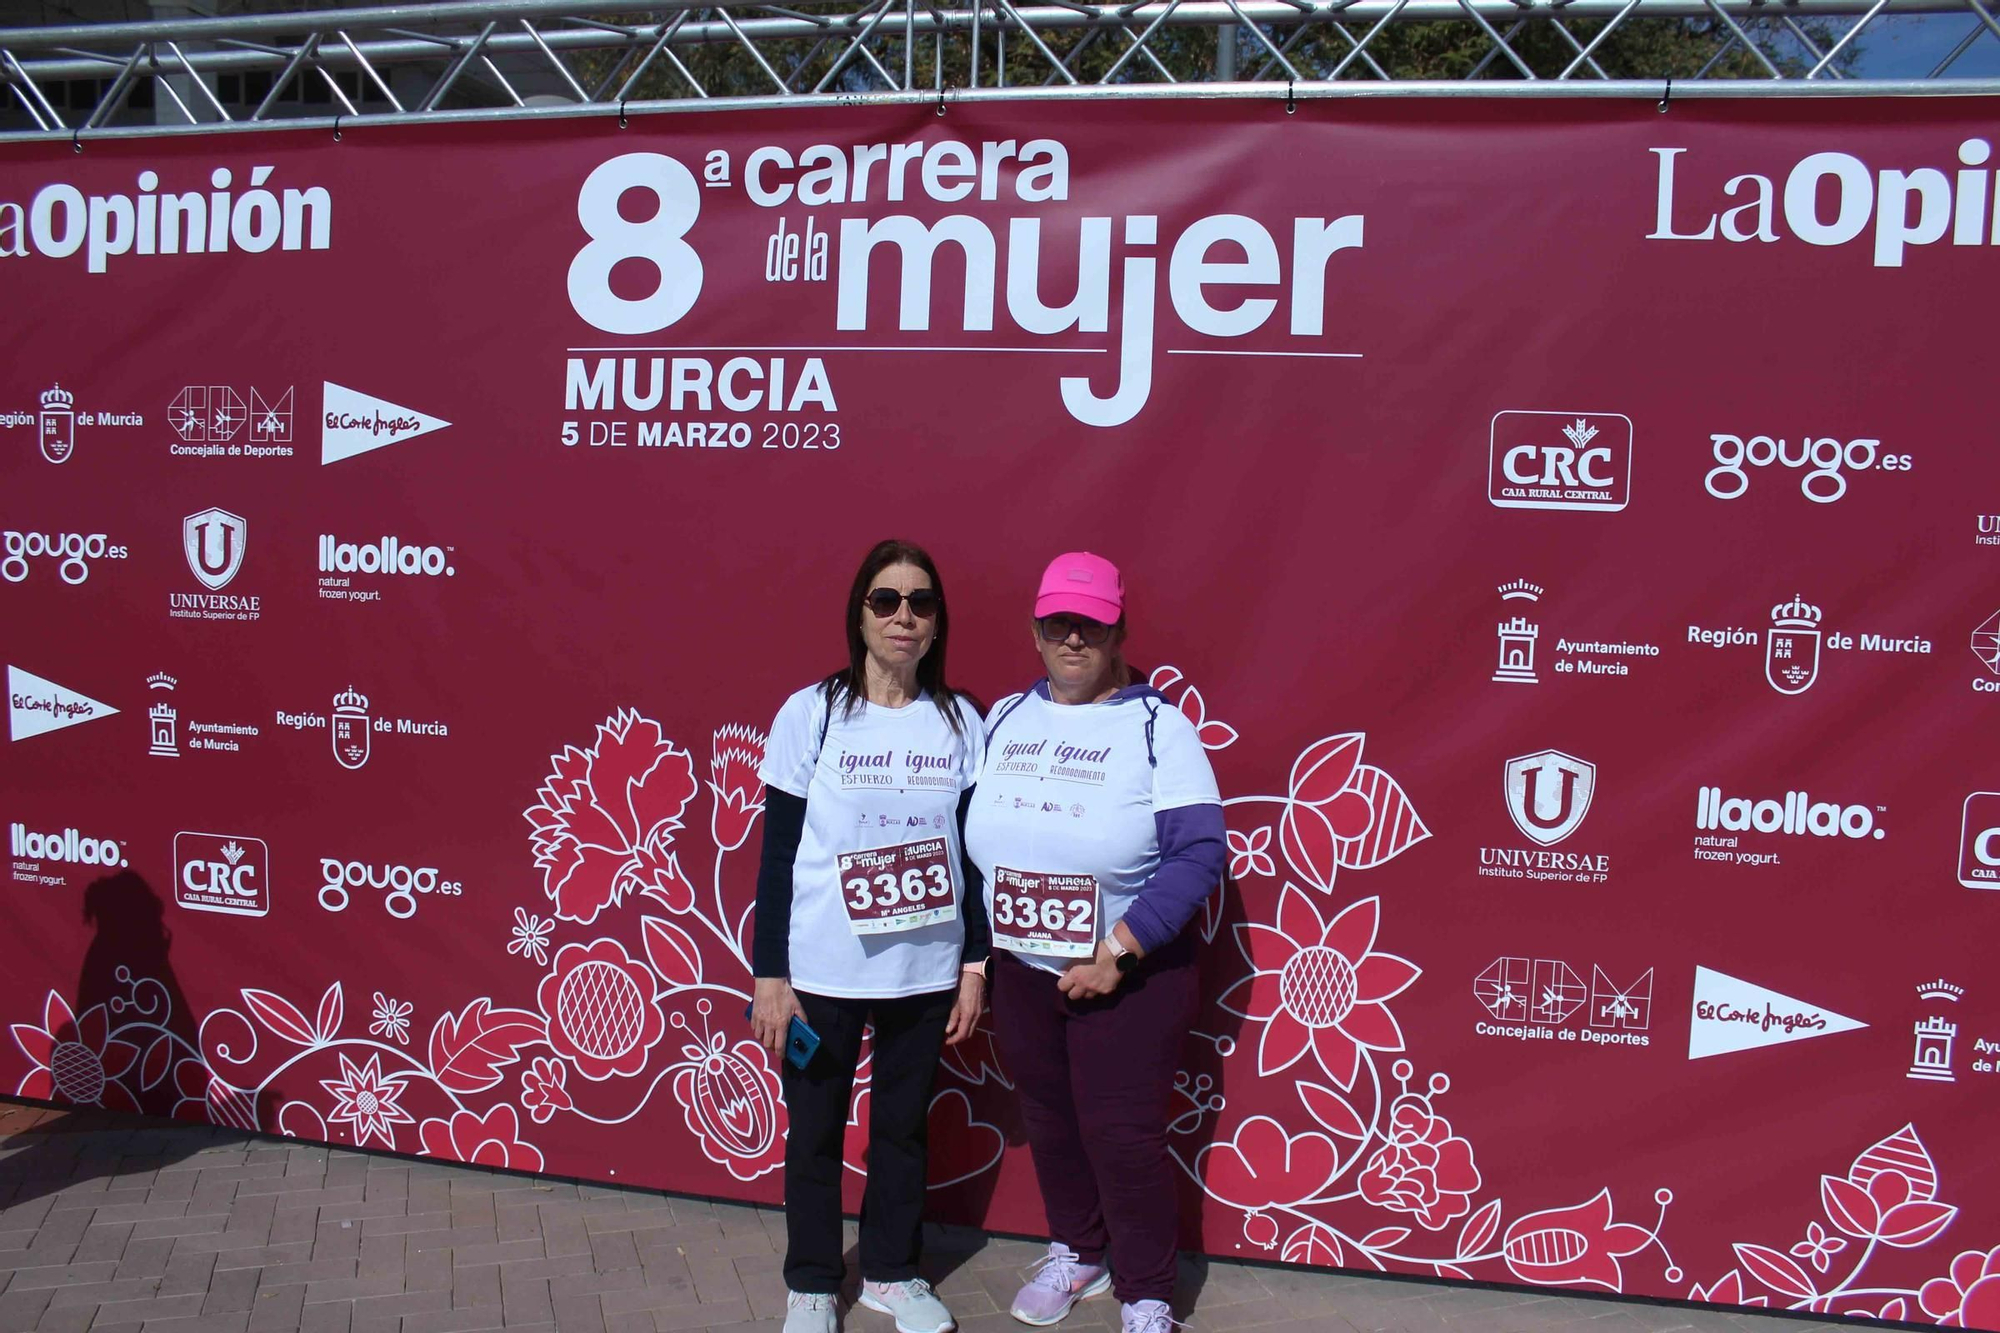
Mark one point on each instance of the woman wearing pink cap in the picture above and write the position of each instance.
(1098, 829)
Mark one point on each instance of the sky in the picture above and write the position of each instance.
(1909, 47)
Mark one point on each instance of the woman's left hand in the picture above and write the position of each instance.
(964, 1020)
(1090, 980)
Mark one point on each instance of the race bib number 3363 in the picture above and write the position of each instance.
(897, 888)
(1045, 914)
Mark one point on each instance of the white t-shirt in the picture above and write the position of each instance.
(886, 779)
(1066, 789)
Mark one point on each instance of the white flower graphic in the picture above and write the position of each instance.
(392, 1019)
(531, 936)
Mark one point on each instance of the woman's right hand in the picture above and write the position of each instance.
(771, 1012)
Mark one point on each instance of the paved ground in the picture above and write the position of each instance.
(120, 1225)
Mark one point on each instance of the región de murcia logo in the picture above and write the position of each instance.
(351, 727)
(1794, 643)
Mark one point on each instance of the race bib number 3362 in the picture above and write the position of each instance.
(1041, 913)
(897, 888)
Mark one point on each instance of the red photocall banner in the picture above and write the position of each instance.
(1572, 528)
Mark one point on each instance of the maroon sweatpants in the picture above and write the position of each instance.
(1094, 1078)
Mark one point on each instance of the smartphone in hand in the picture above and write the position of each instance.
(800, 1040)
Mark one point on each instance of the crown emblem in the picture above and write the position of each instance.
(1940, 990)
(1795, 614)
(160, 680)
(231, 852)
(57, 396)
(1520, 590)
(349, 701)
(1581, 433)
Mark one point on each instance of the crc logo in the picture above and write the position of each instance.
(222, 872)
(655, 241)
(1824, 456)
(1548, 794)
(1979, 841)
(73, 549)
(1560, 460)
(214, 540)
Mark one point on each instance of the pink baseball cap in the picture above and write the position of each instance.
(1081, 584)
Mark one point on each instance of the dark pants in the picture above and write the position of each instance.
(1094, 1078)
(909, 1033)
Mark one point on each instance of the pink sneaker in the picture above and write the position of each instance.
(1060, 1279)
(1149, 1317)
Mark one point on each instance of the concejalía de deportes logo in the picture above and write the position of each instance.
(1117, 257)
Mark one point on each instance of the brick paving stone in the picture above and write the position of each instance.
(426, 1270)
(68, 1319)
(715, 1279)
(333, 1240)
(579, 1314)
(593, 1283)
(248, 1256)
(467, 1256)
(119, 1314)
(303, 1271)
(512, 1212)
(232, 1289)
(451, 1239)
(651, 1296)
(373, 1209)
(61, 1275)
(453, 1321)
(329, 1317)
(237, 1321)
(21, 1309)
(478, 1285)
(397, 1224)
(295, 1224)
(198, 1225)
(380, 1254)
(526, 1299)
(277, 1309)
(614, 1250)
(554, 1266)
(103, 1242)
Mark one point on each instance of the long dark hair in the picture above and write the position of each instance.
(846, 688)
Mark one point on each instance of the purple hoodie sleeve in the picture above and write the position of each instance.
(1192, 857)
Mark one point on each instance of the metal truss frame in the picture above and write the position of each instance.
(474, 58)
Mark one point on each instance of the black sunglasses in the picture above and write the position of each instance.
(1057, 629)
(885, 602)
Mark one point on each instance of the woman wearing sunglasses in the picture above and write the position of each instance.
(862, 919)
(1098, 830)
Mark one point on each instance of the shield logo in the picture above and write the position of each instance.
(1548, 794)
(1791, 658)
(214, 541)
(350, 729)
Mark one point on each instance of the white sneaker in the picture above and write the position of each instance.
(1149, 1317)
(915, 1306)
(1060, 1279)
(810, 1312)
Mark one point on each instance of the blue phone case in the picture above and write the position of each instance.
(800, 1041)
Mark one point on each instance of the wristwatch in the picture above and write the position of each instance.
(1122, 958)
